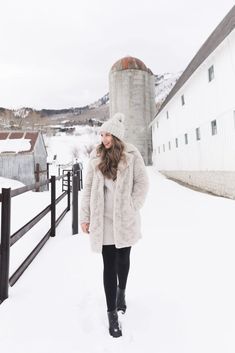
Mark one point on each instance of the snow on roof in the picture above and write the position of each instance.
(16, 145)
(16, 142)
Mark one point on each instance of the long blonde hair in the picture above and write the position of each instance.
(110, 158)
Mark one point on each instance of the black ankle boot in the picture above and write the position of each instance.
(114, 328)
(121, 302)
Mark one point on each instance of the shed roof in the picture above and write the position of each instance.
(217, 36)
(31, 136)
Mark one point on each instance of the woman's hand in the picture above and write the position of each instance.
(85, 227)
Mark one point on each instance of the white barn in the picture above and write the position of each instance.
(20, 152)
(194, 131)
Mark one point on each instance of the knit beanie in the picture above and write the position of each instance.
(115, 126)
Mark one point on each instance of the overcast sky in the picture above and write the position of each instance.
(58, 53)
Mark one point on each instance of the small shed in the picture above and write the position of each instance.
(20, 152)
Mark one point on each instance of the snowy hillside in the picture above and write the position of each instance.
(103, 100)
(163, 85)
(22, 112)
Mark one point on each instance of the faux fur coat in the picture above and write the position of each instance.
(130, 193)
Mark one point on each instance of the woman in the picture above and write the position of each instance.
(115, 189)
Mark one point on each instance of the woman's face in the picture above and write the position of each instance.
(107, 139)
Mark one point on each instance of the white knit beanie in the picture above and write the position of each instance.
(115, 126)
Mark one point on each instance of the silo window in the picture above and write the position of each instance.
(167, 114)
(213, 127)
(163, 148)
(158, 149)
(169, 145)
(198, 134)
(182, 100)
(176, 143)
(211, 73)
(186, 139)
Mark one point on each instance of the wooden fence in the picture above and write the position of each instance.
(8, 240)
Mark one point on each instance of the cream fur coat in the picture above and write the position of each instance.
(130, 193)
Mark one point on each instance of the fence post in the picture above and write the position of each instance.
(53, 205)
(48, 173)
(69, 190)
(75, 204)
(80, 180)
(5, 243)
(37, 175)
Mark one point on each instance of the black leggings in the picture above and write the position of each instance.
(116, 266)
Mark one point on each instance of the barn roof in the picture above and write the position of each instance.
(217, 36)
(19, 136)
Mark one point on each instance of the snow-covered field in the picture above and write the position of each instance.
(180, 293)
(67, 148)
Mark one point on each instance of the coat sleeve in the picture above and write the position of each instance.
(140, 182)
(86, 196)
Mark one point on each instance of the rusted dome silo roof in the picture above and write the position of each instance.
(129, 63)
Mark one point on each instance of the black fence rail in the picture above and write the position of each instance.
(8, 240)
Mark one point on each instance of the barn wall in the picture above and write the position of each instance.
(40, 156)
(18, 167)
(207, 161)
(22, 166)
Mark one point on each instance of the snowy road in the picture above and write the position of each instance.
(180, 292)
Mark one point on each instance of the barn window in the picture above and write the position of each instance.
(186, 139)
(198, 134)
(163, 148)
(176, 143)
(182, 100)
(158, 149)
(157, 125)
(213, 127)
(211, 73)
(167, 114)
(169, 145)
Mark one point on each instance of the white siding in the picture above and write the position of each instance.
(204, 101)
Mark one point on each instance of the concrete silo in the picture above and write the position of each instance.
(131, 90)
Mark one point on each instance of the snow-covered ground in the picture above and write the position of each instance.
(67, 148)
(180, 293)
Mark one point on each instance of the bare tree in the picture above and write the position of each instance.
(75, 152)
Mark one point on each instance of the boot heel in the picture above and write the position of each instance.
(114, 327)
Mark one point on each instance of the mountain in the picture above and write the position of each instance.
(29, 118)
(163, 85)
